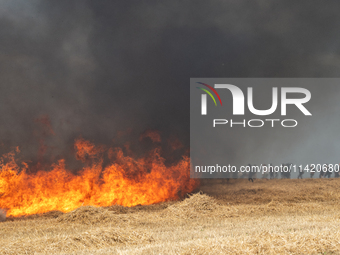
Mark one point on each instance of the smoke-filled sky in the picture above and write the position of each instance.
(99, 67)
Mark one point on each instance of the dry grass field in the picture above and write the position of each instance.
(239, 217)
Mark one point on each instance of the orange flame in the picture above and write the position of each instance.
(125, 181)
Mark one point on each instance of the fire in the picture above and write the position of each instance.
(124, 181)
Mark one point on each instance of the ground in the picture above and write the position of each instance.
(238, 217)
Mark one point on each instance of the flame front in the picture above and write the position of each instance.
(126, 181)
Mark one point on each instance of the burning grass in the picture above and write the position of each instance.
(276, 217)
(125, 181)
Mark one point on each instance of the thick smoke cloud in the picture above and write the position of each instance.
(99, 67)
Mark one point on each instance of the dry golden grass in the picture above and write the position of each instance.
(87, 215)
(264, 217)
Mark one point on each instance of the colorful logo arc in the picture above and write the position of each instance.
(209, 93)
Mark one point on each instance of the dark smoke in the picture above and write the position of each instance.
(99, 67)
